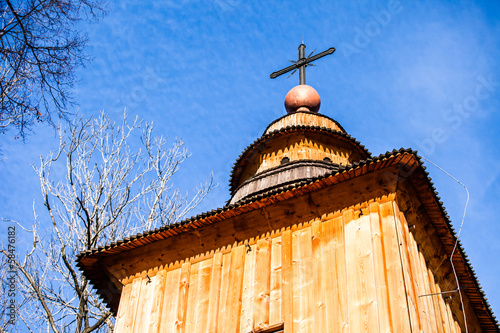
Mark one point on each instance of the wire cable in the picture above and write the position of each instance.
(457, 239)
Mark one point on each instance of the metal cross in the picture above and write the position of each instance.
(302, 63)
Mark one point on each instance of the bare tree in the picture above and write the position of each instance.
(110, 189)
(40, 49)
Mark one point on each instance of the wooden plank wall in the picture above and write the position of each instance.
(359, 270)
(301, 147)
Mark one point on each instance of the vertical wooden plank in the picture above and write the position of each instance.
(180, 323)
(233, 302)
(457, 327)
(248, 293)
(133, 305)
(287, 281)
(440, 321)
(262, 283)
(337, 269)
(411, 273)
(302, 280)
(442, 308)
(419, 281)
(329, 280)
(451, 321)
(223, 312)
(384, 310)
(143, 313)
(395, 283)
(361, 272)
(319, 277)
(275, 294)
(122, 308)
(215, 291)
(170, 301)
(408, 273)
(205, 272)
(355, 315)
(431, 312)
(192, 299)
(157, 305)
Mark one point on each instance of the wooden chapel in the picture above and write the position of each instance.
(318, 236)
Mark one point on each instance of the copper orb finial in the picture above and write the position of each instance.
(302, 98)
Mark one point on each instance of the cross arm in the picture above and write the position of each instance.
(322, 54)
(301, 62)
(283, 71)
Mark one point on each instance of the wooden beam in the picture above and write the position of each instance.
(275, 292)
(215, 294)
(170, 305)
(191, 312)
(340, 317)
(121, 317)
(362, 304)
(248, 293)
(380, 264)
(409, 269)
(180, 323)
(133, 305)
(320, 289)
(303, 302)
(287, 281)
(395, 279)
(204, 298)
(262, 283)
(143, 311)
(234, 293)
(157, 304)
(225, 287)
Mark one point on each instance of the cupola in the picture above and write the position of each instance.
(301, 145)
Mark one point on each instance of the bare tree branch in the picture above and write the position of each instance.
(117, 181)
(40, 49)
(36, 289)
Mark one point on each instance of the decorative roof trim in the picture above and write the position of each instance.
(308, 112)
(328, 166)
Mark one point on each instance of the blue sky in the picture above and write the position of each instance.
(423, 75)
